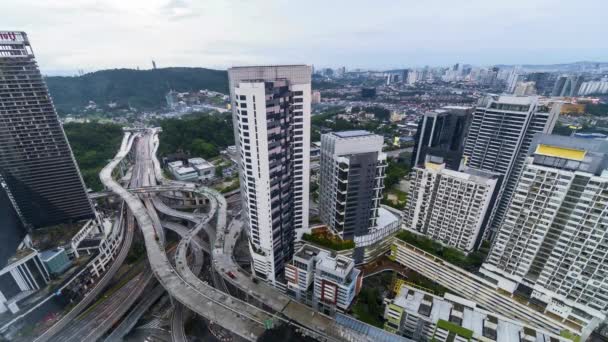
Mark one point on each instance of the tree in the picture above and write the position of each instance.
(394, 173)
(93, 145)
(201, 135)
(219, 171)
(201, 148)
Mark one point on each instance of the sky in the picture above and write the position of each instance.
(68, 35)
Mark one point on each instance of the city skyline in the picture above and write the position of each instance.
(382, 36)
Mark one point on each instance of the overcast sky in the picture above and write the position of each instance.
(96, 34)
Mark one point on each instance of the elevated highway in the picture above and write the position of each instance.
(206, 301)
(182, 282)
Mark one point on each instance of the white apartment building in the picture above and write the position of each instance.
(449, 206)
(271, 115)
(499, 138)
(423, 316)
(553, 243)
(323, 280)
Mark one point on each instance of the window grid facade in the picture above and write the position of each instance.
(554, 238)
(271, 115)
(36, 162)
(499, 138)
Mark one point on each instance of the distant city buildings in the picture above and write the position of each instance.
(553, 244)
(37, 165)
(316, 97)
(271, 116)
(368, 92)
(499, 138)
(525, 89)
(325, 281)
(594, 87)
(543, 82)
(451, 207)
(441, 133)
(567, 85)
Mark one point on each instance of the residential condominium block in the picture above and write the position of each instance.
(36, 162)
(422, 316)
(451, 207)
(322, 279)
(441, 133)
(352, 171)
(553, 244)
(499, 138)
(271, 115)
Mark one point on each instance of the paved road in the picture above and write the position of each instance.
(95, 323)
(183, 284)
(99, 287)
(204, 300)
(135, 314)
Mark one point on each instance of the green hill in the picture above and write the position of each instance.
(142, 89)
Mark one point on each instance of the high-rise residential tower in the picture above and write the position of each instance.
(553, 243)
(441, 133)
(567, 85)
(36, 162)
(450, 206)
(351, 181)
(499, 138)
(271, 115)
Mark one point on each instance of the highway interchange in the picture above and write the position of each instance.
(179, 275)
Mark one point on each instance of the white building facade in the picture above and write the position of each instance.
(323, 280)
(553, 243)
(450, 206)
(499, 138)
(271, 115)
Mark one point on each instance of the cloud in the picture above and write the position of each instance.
(94, 34)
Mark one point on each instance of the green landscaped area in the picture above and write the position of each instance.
(368, 307)
(329, 241)
(567, 334)
(426, 284)
(468, 262)
(454, 328)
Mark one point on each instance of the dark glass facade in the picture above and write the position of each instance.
(36, 161)
(441, 134)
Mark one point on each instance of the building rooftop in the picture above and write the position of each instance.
(307, 252)
(352, 134)
(176, 163)
(185, 170)
(338, 264)
(385, 217)
(199, 162)
(462, 312)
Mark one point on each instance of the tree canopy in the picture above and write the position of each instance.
(93, 144)
(202, 136)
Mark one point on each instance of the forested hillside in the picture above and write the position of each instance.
(142, 89)
(93, 144)
(198, 135)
